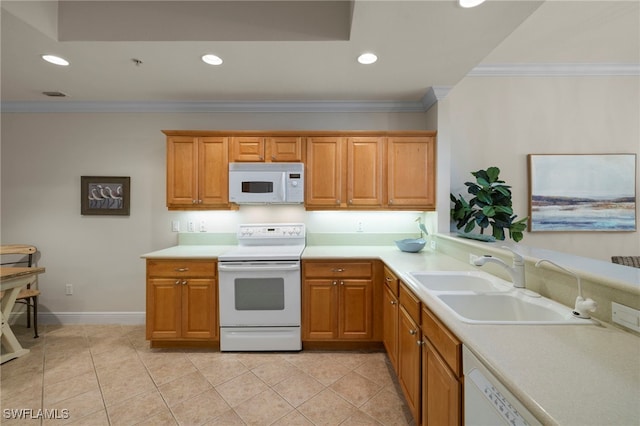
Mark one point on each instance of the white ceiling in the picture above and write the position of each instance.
(293, 50)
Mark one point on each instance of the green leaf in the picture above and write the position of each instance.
(484, 197)
(484, 183)
(493, 173)
(489, 211)
(469, 226)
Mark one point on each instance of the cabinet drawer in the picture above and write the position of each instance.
(410, 302)
(391, 281)
(447, 345)
(339, 270)
(181, 268)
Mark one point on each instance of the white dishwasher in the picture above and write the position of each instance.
(486, 401)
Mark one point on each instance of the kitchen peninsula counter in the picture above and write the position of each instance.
(563, 374)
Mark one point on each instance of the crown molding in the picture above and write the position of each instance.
(66, 106)
(555, 70)
(434, 94)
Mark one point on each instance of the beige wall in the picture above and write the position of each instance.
(44, 155)
(497, 121)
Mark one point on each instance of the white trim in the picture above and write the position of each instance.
(128, 318)
(60, 105)
(555, 70)
(433, 95)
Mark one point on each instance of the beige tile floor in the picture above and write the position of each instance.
(108, 375)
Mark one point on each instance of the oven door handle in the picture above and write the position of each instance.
(255, 268)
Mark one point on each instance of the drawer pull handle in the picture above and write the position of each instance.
(388, 279)
(413, 332)
(337, 270)
(182, 269)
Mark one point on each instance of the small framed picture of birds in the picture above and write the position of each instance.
(105, 195)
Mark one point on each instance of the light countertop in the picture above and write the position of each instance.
(563, 374)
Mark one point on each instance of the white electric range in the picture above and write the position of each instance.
(260, 289)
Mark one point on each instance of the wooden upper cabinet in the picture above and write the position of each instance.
(364, 171)
(344, 172)
(411, 168)
(324, 172)
(197, 172)
(267, 149)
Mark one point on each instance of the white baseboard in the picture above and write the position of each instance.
(126, 318)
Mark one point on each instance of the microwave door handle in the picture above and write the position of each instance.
(284, 187)
(252, 268)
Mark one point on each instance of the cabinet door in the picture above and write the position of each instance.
(324, 172)
(213, 171)
(411, 163)
(182, 171)
(442, 391)
(364, 171)
(355, 303)
(390, 327)
(163, 308)
(247, 148)
(199, 309)
(409, 362)
(319, 305)
(284, 149)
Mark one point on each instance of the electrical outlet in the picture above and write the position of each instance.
(203, 226)
(191, 226)
(175, 225)
(360, 227)
(432, 244)
(68, 289)
(472, 258)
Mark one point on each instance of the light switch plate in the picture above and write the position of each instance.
(175, 225)
(625, 316)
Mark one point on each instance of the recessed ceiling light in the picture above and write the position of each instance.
(470, 3)
(55, 60)
(212, 59)
(367, 58)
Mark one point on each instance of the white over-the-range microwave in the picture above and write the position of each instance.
(266, 183)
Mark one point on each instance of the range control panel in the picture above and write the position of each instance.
(267, 231)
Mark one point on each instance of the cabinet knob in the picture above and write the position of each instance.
(273, 157)
(194, 201)
(393, 302)
(337, 201)
(350, 201)
(388, 279)
(184, 282)
(341, 282)
(199, 201)
(334, 283)
(413, 332)
(177, 282)
(261, 158)
(420, 342)
(390, 201)
(337, 270)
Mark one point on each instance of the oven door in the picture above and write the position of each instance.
(261, 293)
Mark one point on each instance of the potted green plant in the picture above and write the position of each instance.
(490, 205)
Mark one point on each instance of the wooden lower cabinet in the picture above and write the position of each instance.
(409, 361)
(441, 390)
(338, 301)
(441, 373)
(182, 301)
(390, 311)
(409, 352)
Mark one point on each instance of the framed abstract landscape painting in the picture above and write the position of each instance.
(588, 192)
